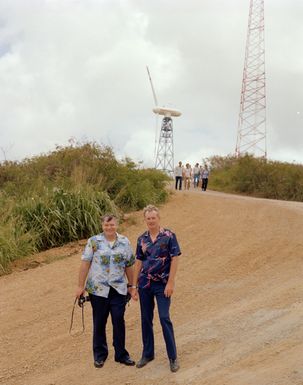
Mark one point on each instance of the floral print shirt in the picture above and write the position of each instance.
(108, 264)
(156, 256)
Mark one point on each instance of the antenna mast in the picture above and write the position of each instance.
(251, 136)
(165, 152)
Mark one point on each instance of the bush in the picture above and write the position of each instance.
(54, 198)
(64, 216)
(257, 177)
(15, 243)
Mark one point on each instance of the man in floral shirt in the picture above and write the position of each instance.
(106, 260)
(155, 269)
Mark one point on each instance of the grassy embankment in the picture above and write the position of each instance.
(52, 199)
(257, 177)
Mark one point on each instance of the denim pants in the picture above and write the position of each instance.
(196, 180)
(115, 305)
(204, 183)
(178, 180)
(147, 304)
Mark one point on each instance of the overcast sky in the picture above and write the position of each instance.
(77, 68)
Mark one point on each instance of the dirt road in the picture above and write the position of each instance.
(237, 308)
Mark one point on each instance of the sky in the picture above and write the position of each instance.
(75, 70)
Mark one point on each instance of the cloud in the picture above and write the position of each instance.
(77, 69)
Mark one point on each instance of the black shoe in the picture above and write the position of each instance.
(98, 364)
(143, 361)
(174, 365)
(127, 361)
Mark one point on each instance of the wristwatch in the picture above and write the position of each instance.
(132, 286)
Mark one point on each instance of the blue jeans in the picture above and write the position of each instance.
(196, 179)
(204, 184)
(178, 182)
(147, 304)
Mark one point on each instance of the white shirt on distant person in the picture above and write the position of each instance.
(179, 170)
(196, 170)
(187, 172)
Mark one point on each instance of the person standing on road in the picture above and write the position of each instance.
(106, 259)
(205, 175)
(155, 270)
(178, 175)
(196, 172)
(187, 176)
(201, 172)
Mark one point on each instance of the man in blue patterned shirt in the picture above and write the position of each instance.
(155, 270)
(106, 259)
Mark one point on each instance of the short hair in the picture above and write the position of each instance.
(150, 208)
(108, 218)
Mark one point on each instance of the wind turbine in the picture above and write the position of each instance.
(164, 159)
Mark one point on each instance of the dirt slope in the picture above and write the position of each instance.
(237, 309)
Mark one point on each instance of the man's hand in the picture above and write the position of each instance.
(80, 291)
(134, 294)
(169, 289)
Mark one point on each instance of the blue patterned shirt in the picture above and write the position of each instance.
(156, 256)
(108, 264)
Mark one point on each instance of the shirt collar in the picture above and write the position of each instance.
(161, 232)
(101, 237)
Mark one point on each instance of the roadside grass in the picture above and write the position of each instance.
(256, 177)
(59, 197)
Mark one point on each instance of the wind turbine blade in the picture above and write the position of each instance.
(152, 87)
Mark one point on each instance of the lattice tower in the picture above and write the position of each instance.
(251, 136)
(165, 151)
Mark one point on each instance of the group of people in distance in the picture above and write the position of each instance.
(187, 174)
(109, 269)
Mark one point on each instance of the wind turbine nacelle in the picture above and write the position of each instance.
(166, 111)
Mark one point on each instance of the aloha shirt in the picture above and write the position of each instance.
(156, 256)
(108, 264)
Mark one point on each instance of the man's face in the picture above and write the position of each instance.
(110, 228)
(152, 220)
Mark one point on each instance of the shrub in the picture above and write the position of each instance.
(15, 243)
(257, 176)
(64, 216)
(58, 197)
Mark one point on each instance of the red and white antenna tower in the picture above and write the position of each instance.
(251, 136)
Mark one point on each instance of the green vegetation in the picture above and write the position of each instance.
(256, 177)
(58, 197)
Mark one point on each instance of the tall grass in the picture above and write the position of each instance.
(54, 198)
(256, 176)
(63, 216)
(15, 243)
